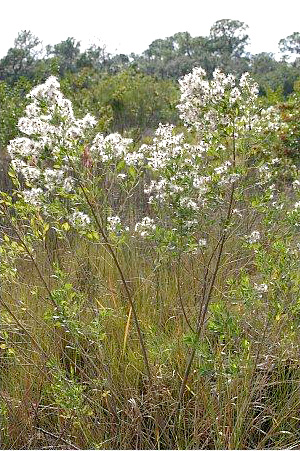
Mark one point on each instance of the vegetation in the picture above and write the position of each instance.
(150, 246)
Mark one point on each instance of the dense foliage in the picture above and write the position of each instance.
(137, 91)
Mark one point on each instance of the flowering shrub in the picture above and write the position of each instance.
(210, 198)
(56, 152)
(203, 176)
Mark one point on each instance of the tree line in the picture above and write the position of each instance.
(137, 91)
(169, 58)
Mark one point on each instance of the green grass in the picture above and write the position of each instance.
(84, 383)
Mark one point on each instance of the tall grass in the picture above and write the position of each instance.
(86, 385)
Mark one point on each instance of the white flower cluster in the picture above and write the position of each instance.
(223, 168)
(113, 148)
(79, 220)
(178, 167)
(261, 288)
(270, 119)
(50, 116)
(184, 176)
(113, 223)
(268, 172)
(202, 242)
(33, 196)
(297, 206)
(51, 127)
(165, 146)
(207, 105)
(145, 227)
(254, 237)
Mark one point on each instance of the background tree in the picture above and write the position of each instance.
(94, 56)
(228, 40)
(21, 59)
(229, 37)
(127, 100)
(272, 75)
(67, 54)
(290, 44)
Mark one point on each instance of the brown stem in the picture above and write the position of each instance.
(46, 357)
(127, 291)
(206, 300)
(181, 302)
(34, 263)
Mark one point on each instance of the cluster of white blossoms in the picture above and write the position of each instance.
(33, 196)
(79, 220)
(46, 156)
(43, 156)
(261, 288)
(167, 146)
(50, 117)
(202, 242)
(115, 226)
(219, 110)
(186, 170)
(145, 227)
(176, 166)
(223, 168)
(201, 100)
(254, 237)
(113, 223)
(114, 148)
(297, 206)
(226, 177)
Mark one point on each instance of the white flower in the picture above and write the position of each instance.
(188, 203)
(223, 168)
(191, 223)
(234, 95)
(275, 161)
(201, 98)
(261, 288)
(297, 206)
(74, 132)
(253, 237)
(133, 158)
(87, 122)
(229, 178)
(21, 147)
(114, 223)
(145, 227)
(33, 196)
(53, 177)
(79, 219)
(237, 212)
(18, 165)
(202, 242)
(30, 173)
(68, 184)
(112, 147)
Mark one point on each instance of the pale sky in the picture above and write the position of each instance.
(131, 25)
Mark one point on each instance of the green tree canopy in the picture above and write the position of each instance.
(290, 44)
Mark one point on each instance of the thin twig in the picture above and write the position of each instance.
(127, 291)
(58, 438)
